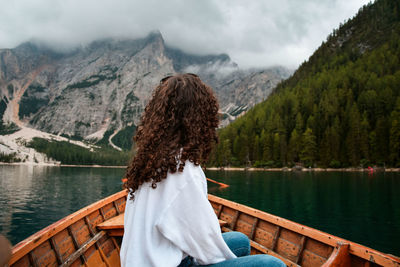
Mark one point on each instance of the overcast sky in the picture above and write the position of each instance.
(255, 33)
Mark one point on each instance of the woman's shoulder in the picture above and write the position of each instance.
(193, 169)
(190, 173)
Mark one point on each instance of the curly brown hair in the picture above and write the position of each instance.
(178, 124)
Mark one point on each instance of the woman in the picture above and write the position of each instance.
(168, 219)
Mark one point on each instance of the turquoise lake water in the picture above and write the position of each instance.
(356, 206)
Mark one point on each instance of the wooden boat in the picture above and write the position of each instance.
(92, 237)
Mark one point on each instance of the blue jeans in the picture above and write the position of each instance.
(239, 244)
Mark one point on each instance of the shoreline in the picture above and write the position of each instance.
(284, 169)
(59, 165)
(93, 166)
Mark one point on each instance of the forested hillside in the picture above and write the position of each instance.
(341, 108)
(68, 153)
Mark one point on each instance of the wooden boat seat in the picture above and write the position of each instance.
(222, 223)
(115, 225)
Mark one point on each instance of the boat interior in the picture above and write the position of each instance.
(92, 237)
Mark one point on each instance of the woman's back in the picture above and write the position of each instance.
(161, 224)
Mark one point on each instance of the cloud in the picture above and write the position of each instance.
(221, 69)
(256, 33)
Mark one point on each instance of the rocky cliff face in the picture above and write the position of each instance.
(97, 91)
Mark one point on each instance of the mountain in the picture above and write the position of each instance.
(340, 108)
(97, 92)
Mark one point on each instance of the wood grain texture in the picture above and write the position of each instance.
(314, 253)
(85, 237)
(116, 222)
(339, 257)
(38, 238)
(82, 249)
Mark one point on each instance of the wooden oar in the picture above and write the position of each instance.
(221, 185)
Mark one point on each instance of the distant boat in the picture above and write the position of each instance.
(92, 237)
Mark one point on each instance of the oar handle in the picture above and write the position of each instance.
(221, 185)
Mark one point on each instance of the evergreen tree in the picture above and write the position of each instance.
(237, 145)
(294, 147)
(299, 123)
(266, 146)
(276, 147)
(338, 108)
(395, 135)
(226, 152)
(381, 140)
(364, 147)
(242, 149)
(395, 143)
(334, 140)
(257, 150)
(309, 151)
(282, 149)
(353, 136)
(373, 146)
(325, 148)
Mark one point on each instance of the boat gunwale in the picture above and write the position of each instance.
(366, 253)
(33, 241)
(356, 249)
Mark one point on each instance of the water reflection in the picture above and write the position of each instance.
(354, 206)
(32, 197)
